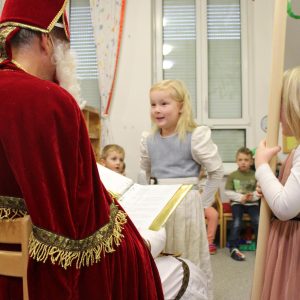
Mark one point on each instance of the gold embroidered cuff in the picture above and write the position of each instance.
(11, 208)
(65, 252)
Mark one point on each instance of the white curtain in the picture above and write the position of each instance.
(1, 5)
(107, 18)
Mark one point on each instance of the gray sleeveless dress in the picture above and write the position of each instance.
(172, 161)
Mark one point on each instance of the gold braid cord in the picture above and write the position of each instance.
(11, 208)
(67, 252)
(4, 32)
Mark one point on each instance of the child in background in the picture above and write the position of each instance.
(240, 189)
(112, 157)
(178, 276)
(211, 215)
(282, 265)
(174, 153)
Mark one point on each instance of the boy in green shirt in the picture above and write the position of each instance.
(240, 189)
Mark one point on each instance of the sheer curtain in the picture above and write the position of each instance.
(107, 19)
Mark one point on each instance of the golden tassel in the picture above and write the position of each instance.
(87, 257)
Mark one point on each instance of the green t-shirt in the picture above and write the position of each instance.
(241, 182)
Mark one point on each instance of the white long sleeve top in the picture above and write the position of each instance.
(198, 149)
(284, 201)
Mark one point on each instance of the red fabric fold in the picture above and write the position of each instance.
(46, 158)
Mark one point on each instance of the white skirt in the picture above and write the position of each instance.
(181, 278)
(186, 234)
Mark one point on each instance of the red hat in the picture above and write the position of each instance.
(37, 15)
(34, 14)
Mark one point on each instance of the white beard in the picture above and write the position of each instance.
(66, 71)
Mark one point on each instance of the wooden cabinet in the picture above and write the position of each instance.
(92, 118)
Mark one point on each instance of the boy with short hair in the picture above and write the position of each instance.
(112, 157)
(240, 189)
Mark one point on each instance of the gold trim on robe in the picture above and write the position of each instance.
(11, 208)
(64, 251)
(4, 33)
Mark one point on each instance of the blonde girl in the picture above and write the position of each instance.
(282, 269)
(173, 153)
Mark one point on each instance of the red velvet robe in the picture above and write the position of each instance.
(46, 158)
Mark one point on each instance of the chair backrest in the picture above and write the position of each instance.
(219, 204)
(14, 263)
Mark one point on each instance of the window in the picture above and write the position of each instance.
(179, 43)
(224, 60)
(82, 42)
(229, 146)
(204, 43)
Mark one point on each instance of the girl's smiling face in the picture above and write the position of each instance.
(165, 111)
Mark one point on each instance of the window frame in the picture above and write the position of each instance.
(89, 84)
(202, 71)
(202, 67)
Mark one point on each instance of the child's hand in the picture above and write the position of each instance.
(264, 154)
(244, 199)
(258, 190)
(249, 197)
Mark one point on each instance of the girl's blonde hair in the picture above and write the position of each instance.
(110, 148)
(291, 100)
(179, 93)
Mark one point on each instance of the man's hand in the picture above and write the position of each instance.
(147, 243)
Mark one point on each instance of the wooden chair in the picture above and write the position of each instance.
(227, 216)
(14, 263)
(93, 124)
(219, 206)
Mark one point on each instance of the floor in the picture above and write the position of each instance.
(232, 279)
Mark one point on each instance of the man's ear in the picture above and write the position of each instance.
(46, 44)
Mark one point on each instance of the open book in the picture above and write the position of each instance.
(148, 206)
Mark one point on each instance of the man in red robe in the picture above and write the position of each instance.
(83, 245)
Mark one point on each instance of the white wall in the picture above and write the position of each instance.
(130, 107)
(261, 61)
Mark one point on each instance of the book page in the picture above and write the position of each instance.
(148, 206)
(114, 182)
(144, 203)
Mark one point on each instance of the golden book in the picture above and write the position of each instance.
(148, 206)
